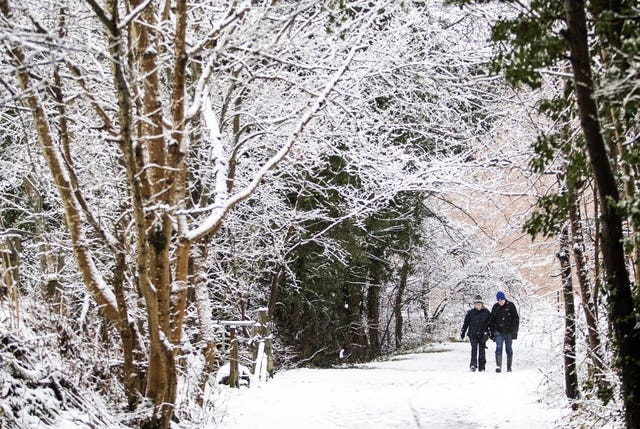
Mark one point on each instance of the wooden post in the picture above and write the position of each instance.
(265, 333)
(233, 361)
(255, 344)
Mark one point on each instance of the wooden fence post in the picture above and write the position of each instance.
(255, 343)
(233, 361)
(265, 332)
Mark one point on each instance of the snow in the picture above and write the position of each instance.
(36, 391)
(431, 388)
(225, 372)
(260, 373)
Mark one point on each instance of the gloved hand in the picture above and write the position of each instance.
(462, 335)
(514, 336)
(492, 337)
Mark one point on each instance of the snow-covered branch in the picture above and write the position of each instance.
(214, 219)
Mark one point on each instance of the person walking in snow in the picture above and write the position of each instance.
(476, 326)
(503, 328)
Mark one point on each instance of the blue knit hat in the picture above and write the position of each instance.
(500, 296)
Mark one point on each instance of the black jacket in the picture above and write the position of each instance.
(477, 322)
(504, 319)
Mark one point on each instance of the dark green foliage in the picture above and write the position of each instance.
(551, 212)
(324, 310)
(529, 43)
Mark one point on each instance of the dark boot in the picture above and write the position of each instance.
(509, 362)
(498, 363)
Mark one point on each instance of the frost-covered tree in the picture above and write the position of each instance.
(144, 89)
(196, 160)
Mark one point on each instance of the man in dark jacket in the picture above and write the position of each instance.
(477, 323)
(503, 328)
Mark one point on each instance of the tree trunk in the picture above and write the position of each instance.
(611, 34)
(596, 356)
(133, 356)
(9, 277)
(355, 338)
(621, 305)
(570, 373)
(373, 308)
(203, 308)
(596, 253)
(397, 308)
(50, 264)
(373, 319)
(273, 292)
(153, 233)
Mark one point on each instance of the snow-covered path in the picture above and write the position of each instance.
(420, 390)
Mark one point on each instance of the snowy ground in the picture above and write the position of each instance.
(433, 389)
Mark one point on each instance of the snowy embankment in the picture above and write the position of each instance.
(36, 389)
(431, 388)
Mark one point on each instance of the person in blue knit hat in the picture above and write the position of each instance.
(503, 327)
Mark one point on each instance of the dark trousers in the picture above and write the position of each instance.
(478, 357)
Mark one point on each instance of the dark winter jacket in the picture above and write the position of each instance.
(477, 322)
(504, 319)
